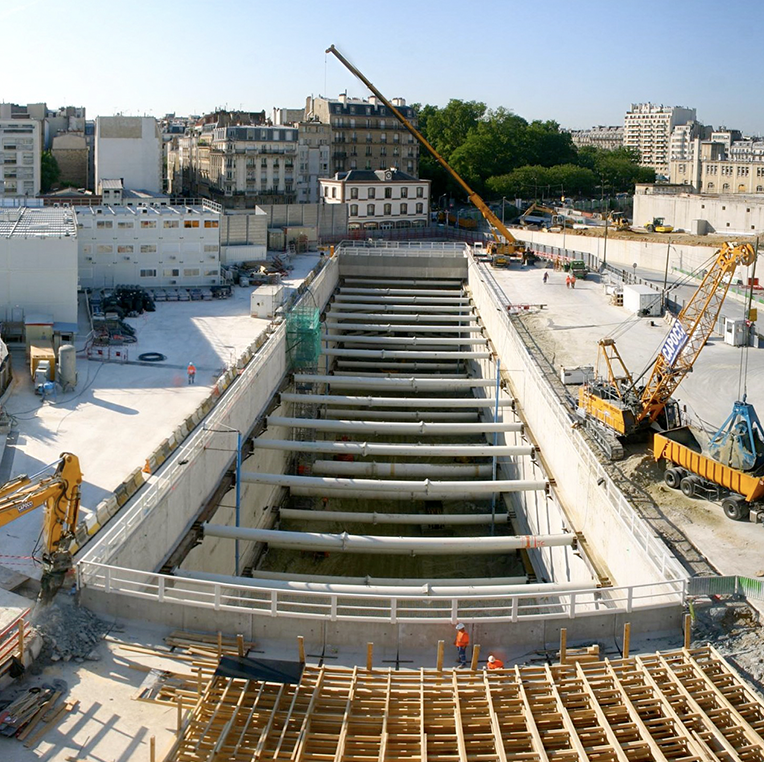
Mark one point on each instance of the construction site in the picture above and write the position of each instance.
(399, 519)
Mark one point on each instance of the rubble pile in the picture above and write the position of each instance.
(69, 632)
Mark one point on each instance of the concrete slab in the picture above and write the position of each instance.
(568, 330)
(120, 412)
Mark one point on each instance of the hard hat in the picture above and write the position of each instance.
(460, 626)
(491, 659)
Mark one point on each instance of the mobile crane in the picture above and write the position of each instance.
(615, 407)
(59, 492)
(504, 245)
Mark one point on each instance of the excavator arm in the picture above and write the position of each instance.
(59, 493)
(691, 330)
(498, 228)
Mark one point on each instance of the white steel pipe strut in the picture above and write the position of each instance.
(390, 427)
(401, 415)
(413, 519)
(407, 366)
(454, 284)
(498, 588)
(365, 449)
(395, 382)
(400, 291)
(394, 582)
(381, 545)
(467, 318)
(454, 310)
(422, 488)
(404, 354)
(403, 327)
(450, 299)
(418, 402)
(411, 341)
(416, 470)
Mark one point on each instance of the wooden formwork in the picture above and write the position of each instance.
(676, 705)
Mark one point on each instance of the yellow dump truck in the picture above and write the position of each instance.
(697, 475)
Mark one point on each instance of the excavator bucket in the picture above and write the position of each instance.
(50, 584)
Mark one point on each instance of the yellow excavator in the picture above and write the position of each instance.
(59, 492)
(504, 246)
(614, 406)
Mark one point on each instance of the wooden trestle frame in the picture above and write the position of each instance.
(677, 705)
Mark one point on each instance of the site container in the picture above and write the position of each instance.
(38, 350)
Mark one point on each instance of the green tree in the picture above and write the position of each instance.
(49, 171)
(523, 182)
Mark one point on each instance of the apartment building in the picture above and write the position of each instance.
(52, 121)
(366, 134)
(313, 159)
(647, 128)
(606, 138)
(379, 200)
(154, 244)
(130, 148)
(19, 158)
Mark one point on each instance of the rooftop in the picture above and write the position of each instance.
(33, 222)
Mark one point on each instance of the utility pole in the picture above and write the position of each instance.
(604, 248)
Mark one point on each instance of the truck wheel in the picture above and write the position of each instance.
(672, 477)
(735, 508)
(687, 485)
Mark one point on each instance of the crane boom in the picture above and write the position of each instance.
(692, 329)
(498, 228)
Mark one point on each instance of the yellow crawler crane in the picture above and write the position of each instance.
(504, 245)
(59, 492)
(615, 407)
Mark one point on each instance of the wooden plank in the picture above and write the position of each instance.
(299, 748)
(475, 657)
(460, 743)
(441, 649)
(530, 722)
(498, 739)
(626, 639)
(383, 735)
(342, 740)
(369, 656)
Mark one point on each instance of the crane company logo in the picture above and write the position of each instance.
(26, 504)
(674, 343)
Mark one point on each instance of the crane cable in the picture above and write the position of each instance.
(742, 381)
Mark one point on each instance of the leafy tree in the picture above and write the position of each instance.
(49, 171)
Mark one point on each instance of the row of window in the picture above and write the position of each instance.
(153, 223)
(741, 188)
(190, 272)
(371, 210)
(372, 192)
(146, 248)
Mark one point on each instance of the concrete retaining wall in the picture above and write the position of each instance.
(588, 505)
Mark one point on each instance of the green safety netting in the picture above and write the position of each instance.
(303, 337)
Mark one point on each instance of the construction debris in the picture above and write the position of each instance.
(68, 631)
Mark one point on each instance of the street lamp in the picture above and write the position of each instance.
(503, 201)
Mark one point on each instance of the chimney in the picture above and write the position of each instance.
(398, 102)
(343, 97)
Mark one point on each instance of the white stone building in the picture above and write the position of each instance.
(129, 148)
(647, 128)
(314, 145)
(605, 137)
(380, 200)
(38, 264)
(19, 158)
(254, 161)
(150, 245)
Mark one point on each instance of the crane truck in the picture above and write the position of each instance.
(614, 407)
(505, 247)
(59, 492)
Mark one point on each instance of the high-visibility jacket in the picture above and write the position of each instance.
(191, 370)
(462, 639)
(496, 664)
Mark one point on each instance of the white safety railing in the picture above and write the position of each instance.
(653, 546)
(457, 247)
(480, 606)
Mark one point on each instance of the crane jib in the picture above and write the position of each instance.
(674, 343)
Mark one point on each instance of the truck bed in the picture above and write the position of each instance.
(680, 446)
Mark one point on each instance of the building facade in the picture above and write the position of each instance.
(20, 158)
(647, 129)
(130, 148)
(606, 138)
(313, 159)
(151, 245)
(70, 150)
(38, 264)
(379, 200)
(366, 134)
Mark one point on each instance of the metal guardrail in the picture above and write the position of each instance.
(481, 606)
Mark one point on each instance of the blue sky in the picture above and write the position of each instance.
(580, 63)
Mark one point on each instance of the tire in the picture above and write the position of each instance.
(672, 477)
(151, 356)
(735, 508)
(687, 485)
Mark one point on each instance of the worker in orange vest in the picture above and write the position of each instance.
(191, 371)
(462, 641)
(494, 663)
